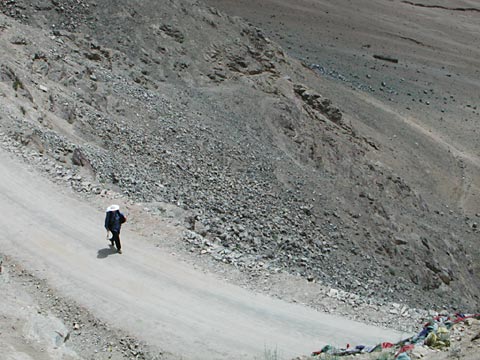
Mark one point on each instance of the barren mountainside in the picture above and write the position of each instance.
(178, 102)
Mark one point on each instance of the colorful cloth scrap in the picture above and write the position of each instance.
(435, 334)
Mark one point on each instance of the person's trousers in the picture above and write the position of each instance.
(116, 238)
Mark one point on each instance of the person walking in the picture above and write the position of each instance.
(113, 223)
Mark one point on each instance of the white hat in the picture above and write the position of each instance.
(113, 208)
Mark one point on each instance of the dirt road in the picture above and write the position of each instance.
(146, 291)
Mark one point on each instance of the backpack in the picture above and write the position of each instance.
(116, 217)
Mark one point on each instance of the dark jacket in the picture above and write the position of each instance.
(114, 220)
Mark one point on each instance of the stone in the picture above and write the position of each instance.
(420, 352)
(445, 277)
(78, 158)
(333, 293)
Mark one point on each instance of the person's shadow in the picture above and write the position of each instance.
(103, 253)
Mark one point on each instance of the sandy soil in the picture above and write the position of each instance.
(147, 291)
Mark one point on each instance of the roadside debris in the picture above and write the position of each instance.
(436, 334)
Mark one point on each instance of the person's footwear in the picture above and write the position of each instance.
(112, 244)
(119, 251)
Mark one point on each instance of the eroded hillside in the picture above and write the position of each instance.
(183, 104)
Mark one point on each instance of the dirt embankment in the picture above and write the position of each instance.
(185, 105)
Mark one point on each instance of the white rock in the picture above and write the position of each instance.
(333, 293)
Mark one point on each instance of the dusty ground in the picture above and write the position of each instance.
(37, 322)
(373, 216)
(146, 291)
(223, 124)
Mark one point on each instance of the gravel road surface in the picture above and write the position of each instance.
(146, 291)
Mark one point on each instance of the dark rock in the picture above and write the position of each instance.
(78, 158)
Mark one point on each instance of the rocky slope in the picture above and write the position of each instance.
(183, 104)
(421, 108)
